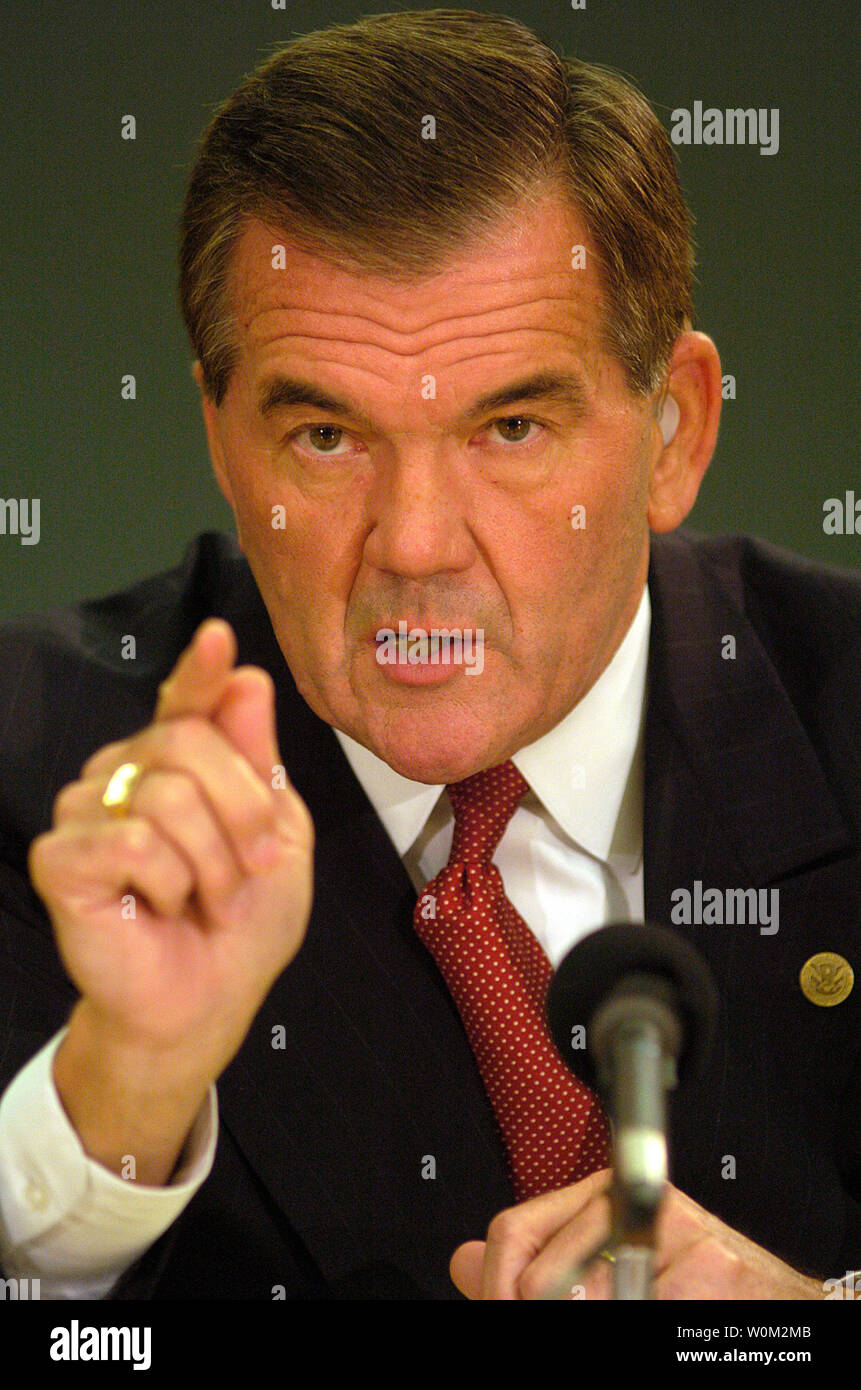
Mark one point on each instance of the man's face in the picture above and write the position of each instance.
(439, 490)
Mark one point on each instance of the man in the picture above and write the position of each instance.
(438, 286)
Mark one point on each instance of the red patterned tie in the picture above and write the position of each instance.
(553, 1127)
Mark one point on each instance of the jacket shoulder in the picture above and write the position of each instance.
(783, 593)
(806, 614)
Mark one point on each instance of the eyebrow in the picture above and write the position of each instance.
(283, 391)
(563, 388)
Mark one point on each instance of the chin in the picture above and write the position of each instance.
(437, 755)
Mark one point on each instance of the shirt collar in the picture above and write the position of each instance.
(585, 770)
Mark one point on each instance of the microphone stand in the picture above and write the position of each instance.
(641, 1071)
(631, 1247)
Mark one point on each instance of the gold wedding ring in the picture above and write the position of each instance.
(118, 792)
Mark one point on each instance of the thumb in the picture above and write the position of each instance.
(465, 1267)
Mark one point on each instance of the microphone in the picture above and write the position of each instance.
(646, 1004)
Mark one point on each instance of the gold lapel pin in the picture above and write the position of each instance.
(827, 979)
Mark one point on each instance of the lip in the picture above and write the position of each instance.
(402, 673)
(412, 626)
(413, 673)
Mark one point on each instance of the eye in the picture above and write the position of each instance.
(516, 429)
(327, 437)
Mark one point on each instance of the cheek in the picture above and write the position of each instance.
(605, 482)
(273, 515)
(606, 520)
(301, 553)
(249, 472)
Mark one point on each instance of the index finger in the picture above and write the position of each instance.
(196, 685)
(200, 676)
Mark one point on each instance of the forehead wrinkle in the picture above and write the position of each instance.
(564, 297)
(496, 268)
(479, 341)
(480, 349)
(522, 363)
(435, 336)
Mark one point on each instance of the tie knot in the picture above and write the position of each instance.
(483, 805)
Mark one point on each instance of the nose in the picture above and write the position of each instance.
(419, 512)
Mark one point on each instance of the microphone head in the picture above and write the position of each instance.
(602, 960)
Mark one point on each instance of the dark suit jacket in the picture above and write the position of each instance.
(752, 779)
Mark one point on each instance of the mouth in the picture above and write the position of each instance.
(412, 654)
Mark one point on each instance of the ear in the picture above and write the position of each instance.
(212, 425)
(678, 466)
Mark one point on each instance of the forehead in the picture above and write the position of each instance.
(531, 285)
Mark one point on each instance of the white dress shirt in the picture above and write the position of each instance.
(570, 859)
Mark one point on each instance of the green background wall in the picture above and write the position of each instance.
(89, 253)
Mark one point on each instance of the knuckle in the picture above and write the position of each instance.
(177, 738)
(67, 801)
(504, 1227)
(531, 1283)
(718, 1257)
(175, 795)
(261, 817)
(264, 680)
(220, 878)
(95, 760)
(307, 821)
(137, 838)
(295, 815)
(39, 854)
